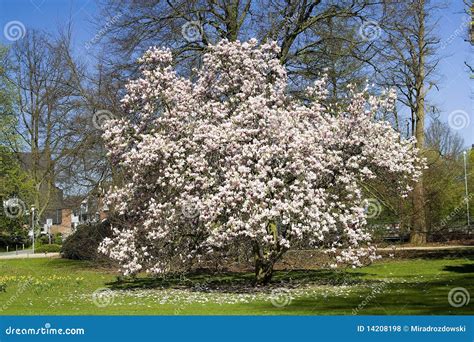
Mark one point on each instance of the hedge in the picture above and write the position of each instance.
(53, 248)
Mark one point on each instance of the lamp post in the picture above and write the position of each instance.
(467, 190)
(33, 226)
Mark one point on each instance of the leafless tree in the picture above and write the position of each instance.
(55, 104)
(409, 59)
(39, 77)
(85, 167)
(443, 140)
(314, 36)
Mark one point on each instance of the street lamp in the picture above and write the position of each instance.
(467, 190)
(33, 226)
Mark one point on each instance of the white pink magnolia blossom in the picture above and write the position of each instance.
(231, 158)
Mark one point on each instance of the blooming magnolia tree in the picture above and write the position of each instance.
(231, 159)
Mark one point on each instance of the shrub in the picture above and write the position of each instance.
(43, 240)
(53, 248)
(84, 242)
(58, 239)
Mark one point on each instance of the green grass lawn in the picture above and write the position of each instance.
(64, 287)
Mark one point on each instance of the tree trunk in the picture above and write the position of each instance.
(265, 259)
(419, 229)
(418, 232)
(263, 270)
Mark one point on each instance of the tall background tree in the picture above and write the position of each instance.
(45, 111)
(313, 35)
(16, 187)
(409, 59)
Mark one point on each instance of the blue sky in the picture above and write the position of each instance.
(455, 87)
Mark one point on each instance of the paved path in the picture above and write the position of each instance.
(25, 254)
(424, 248)
(23, 251)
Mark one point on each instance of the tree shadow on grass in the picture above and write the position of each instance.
(237, 282)
(465, 268)
(395, 298)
